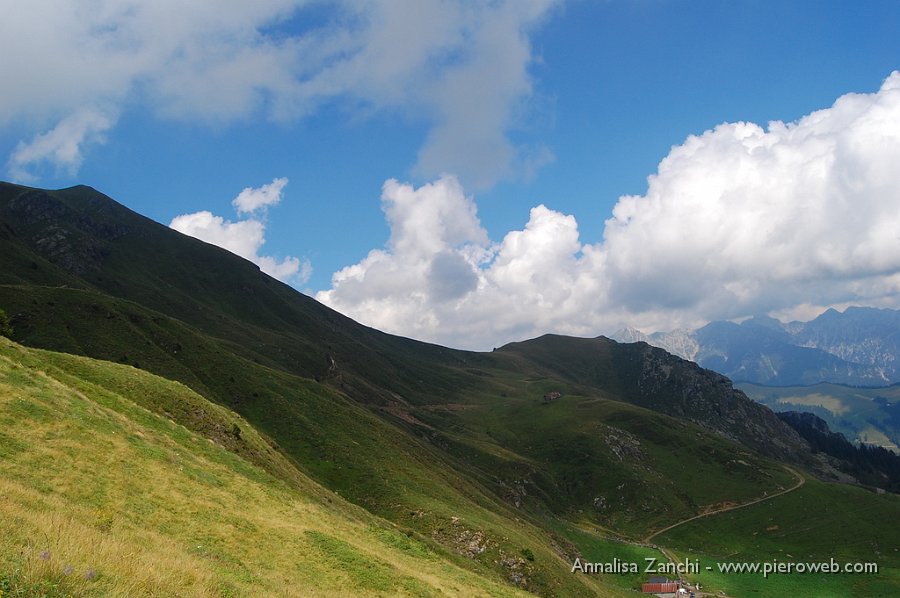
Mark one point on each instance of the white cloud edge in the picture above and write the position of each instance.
(246, 238)
(61, 147)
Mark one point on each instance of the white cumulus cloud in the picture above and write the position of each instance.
(460, 67)
(251, 199)
(441, 279)
(743, 220)
(431, 258)
(737, 221)
(246, 237)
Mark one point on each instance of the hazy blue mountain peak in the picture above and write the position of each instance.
(859, 346)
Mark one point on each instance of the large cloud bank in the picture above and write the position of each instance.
(737, 221)
(460, 67)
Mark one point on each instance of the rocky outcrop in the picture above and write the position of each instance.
(671, 385)
(650, 377)
(74, 240)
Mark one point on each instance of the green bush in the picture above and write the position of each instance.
(5, 328)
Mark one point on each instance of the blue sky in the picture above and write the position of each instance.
(512, 131)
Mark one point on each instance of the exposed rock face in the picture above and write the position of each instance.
(633, 335)
(624, 445)
(467, 542)
(674, 386)
(862, 335)
(682, 343)
(514, 491)
(73, 254)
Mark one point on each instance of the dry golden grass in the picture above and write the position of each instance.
(104, 498)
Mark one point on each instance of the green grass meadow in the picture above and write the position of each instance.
(816, 523)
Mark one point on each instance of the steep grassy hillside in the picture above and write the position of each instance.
(587, 457)
(374, 464)
(477, 430)
(501, 466)
(79, 238)
(82, 233)
(104, 496)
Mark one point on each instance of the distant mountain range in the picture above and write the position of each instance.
(859, 346)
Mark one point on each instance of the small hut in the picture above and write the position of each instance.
(551, 396)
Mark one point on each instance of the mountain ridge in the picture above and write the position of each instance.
(342, 353)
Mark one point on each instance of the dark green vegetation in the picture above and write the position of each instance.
(870, 465)
(5, 328)
(869, 415)
(458, 449)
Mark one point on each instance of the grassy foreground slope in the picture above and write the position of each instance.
(105, 497)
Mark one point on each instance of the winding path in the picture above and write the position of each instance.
(800, 481)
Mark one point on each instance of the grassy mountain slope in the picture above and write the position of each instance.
(456, 448)
(454, 430)
(650, 377)
(103, 496)
(470, 459)
(338, 441)
(816, 523)
(585, 456)
(82, 238)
